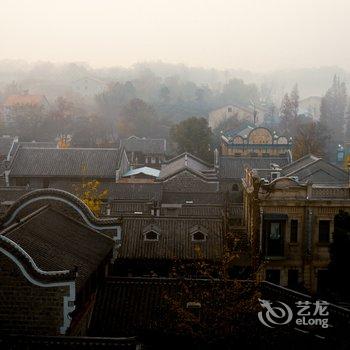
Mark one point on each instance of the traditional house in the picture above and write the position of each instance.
(144, 151)
(290, 220)
(232, 170)
(53, 253)
(155, 244)
(310, 107)
(63, 168)
(187, 173)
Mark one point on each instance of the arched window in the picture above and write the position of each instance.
(151, 236)
(198, 236)
(235, 188)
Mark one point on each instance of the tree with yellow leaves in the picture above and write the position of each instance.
(91, 194)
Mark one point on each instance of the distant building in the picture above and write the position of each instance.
(89, 87)
(242, 113)
(310, 107)
(62, 168)
(25, 99)
(251, 141)
(144, 151)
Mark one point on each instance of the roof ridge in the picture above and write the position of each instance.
(73, 148)
(24, 220)
(79, 222)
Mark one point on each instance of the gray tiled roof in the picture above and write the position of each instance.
(35, 144)
(144, 145)
(70, 162)
(300, 163)
(316, 170)
(186, 161)
(174, 238)
(195, 197)
(233, 167)
(57, 242)
(138, 191)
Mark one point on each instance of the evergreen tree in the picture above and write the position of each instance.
(286, 115)
(332, 110)
(193, 135)
(347, 124)
(294, 101)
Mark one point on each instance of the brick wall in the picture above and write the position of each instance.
(26, 308)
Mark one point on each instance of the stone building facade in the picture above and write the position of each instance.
(251, 141)
(290, 226)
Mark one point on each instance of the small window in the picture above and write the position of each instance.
(266, 154)
(294, 231)
(198, 236)
(253, 154)
(153, 160)
(151, 236)
(323, 281)
(229, 109)
(275, 231)
(194, 308)
(324, 231)
(46, 183)
(237, 154)
(340, 156)
(275, 175)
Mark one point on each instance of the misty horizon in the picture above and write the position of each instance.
(253, 36)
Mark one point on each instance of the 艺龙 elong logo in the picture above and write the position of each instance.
(305, 313)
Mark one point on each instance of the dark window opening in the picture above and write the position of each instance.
(324, 231)
(46, 183)
(293, 279)
(293, 231)
(235, 187)
(274, 241)
(273, 276)
(323, 281)
(198, 236)
(275, 175)
(151, 236)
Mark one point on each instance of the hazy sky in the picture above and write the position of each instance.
(256, 35)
